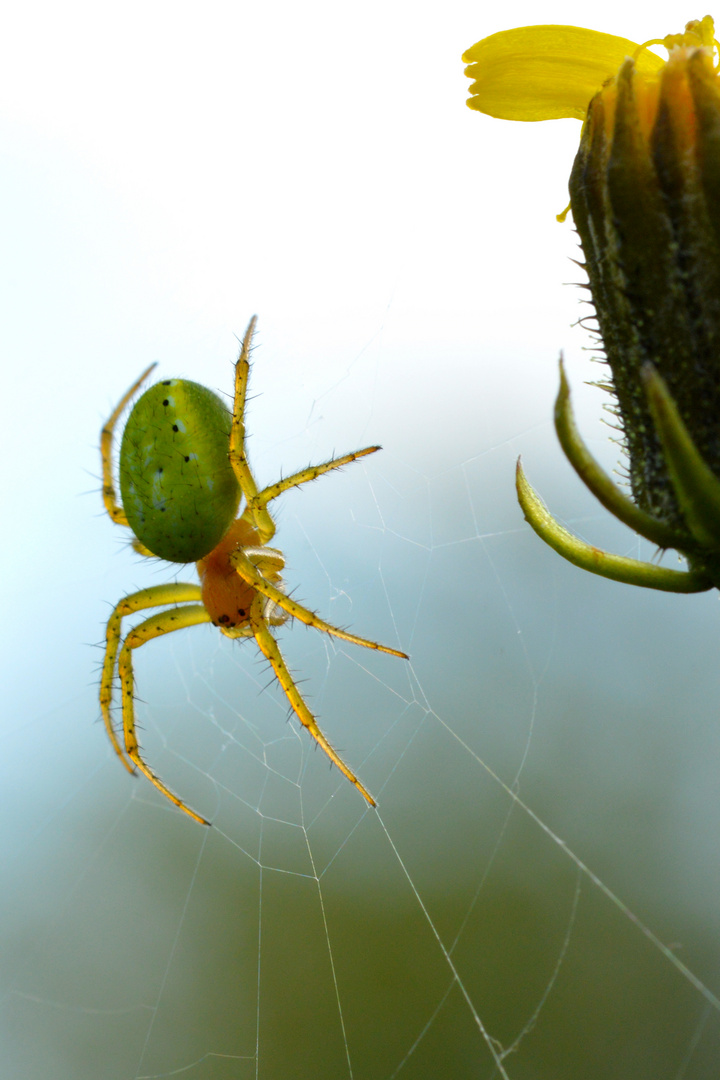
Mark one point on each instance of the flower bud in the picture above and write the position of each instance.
(645, 196)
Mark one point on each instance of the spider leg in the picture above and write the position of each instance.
(165, 622)
(138, 601)
(305, 475)
(257, 513)
(112, 506)
(249, 572)
(269, 648)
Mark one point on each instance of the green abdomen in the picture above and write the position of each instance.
(178, 489)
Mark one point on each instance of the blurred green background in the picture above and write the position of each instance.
(167, 173)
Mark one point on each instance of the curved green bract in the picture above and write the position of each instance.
(587, 557)
(696, 486)
(597, 480)
(179, 491)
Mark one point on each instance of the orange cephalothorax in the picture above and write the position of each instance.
(224, 593)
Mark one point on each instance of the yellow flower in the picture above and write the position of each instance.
(550, 72)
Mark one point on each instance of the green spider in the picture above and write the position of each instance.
(183, 471)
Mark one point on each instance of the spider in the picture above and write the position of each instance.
(183, 471)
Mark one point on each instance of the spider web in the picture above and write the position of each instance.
(519, 880)
(536, 894)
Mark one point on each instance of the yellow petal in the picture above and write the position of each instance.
(546, 72)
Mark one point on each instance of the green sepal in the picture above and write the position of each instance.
(587, 557)
(696, 486)
(597, 480)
